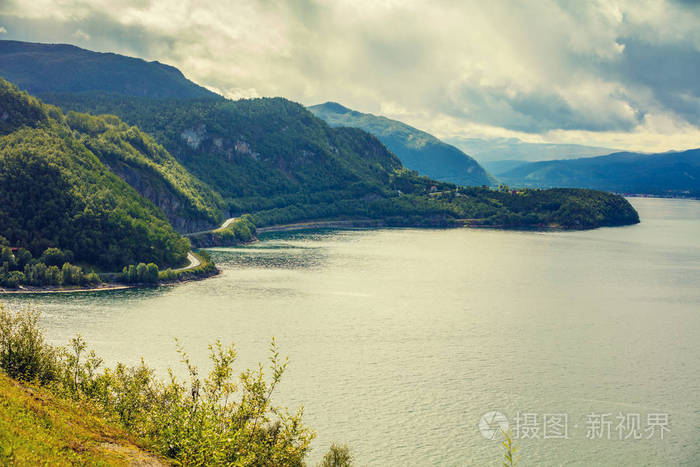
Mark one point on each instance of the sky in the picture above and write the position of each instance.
(620, 74)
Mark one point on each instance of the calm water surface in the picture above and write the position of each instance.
(400, 340)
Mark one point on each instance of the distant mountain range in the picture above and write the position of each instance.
(135, 154)
(666, 174)
(417, 149)
(42, 68)
(498, 155)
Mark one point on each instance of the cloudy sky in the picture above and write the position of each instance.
(621, 74)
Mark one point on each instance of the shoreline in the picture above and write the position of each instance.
(107, 286)
(38, 290)
(368, 224)
(339, 224)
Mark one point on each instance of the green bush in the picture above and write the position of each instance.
(55, 257)
(140, 274)
(218, 420)
(23, 353)
(337, 456)
(21, 269)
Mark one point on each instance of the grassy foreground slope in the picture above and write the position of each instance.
(40, 428)
(225, 417)
(417, 149)
(55, 192)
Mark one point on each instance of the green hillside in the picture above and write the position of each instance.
(39, 68)
(666, 174)
(55, 192)
(274, 159)
(259, 153)
(188, 203)
(417, 149)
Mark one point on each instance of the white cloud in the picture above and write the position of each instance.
(546, 71)
(82, 35)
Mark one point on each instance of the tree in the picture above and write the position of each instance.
(337, 456)
(66, 274)
(151, 273)
(53, 257)
(23, 257)
(141, 271)
(6, 256)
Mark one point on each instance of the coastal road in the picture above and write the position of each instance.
(226, 223)
(194, 262)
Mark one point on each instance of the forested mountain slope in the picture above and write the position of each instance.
(188, 203)
(256, 152)
(55, 192)
(274, 159)
(268, 157)
(417, 149)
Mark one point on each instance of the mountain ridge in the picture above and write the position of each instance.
(270, 158)
(672, 173)
(417, 149)
(74, 69)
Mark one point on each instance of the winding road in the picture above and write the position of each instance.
(226, 223)
(194, 262)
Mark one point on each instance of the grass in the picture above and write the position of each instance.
(39, 428)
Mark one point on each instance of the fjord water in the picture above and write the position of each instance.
(400, 340)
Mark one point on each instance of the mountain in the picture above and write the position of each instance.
(417, 149)
(257, 153)
(666, 174)
(135, 157)
(498, 155)
(55, 192)
(39, 68)
(200, 158)
(274, 159)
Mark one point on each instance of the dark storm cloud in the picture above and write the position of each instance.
(670, 71)
(96, 31)
(534, 112)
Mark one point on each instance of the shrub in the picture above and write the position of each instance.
(167, 276)
(91, 278)
(337, 456)
(71, 275)
(214, 421)
(141, 272)
(23, 353)
(12, 278)
(53, 275)
(54, 257)
(151, 275)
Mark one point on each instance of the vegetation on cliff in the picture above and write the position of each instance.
(149, 168)
(273, 159)
(55, 192)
